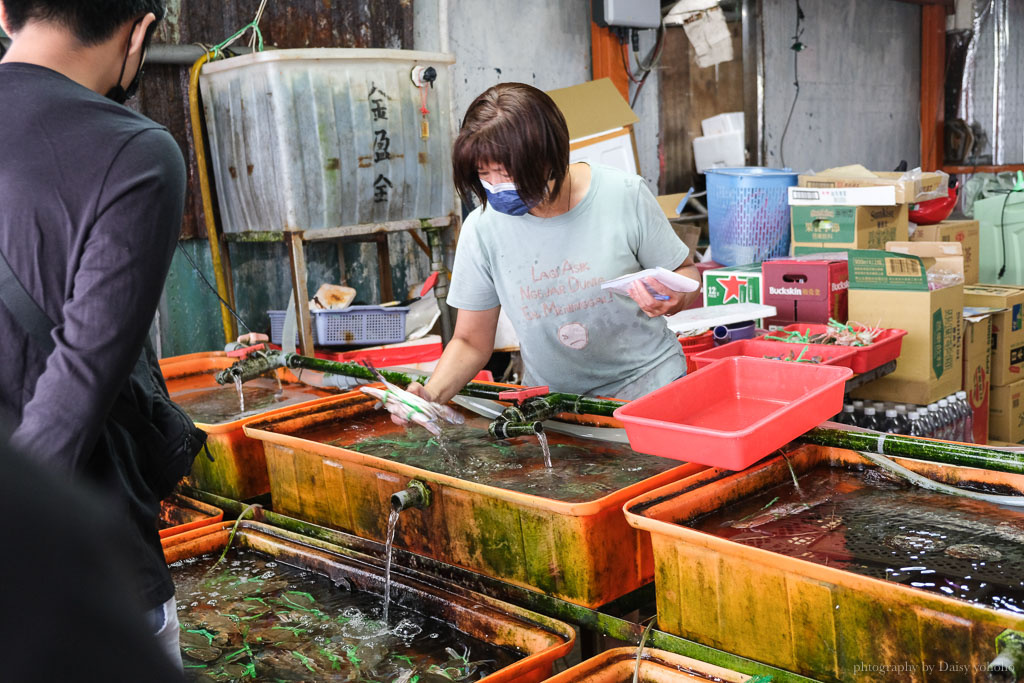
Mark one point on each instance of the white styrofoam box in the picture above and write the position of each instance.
(719, 151)
(731, 122)
(611, 148)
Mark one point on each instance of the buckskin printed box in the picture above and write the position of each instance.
(733, 285)
(1007, 328)
(805, 291)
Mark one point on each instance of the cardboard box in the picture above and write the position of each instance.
(967, 233)
(1006, 413)
(805, 291)
(733, 285)
(818, 228)
(977, 371)
(686, 230)
(888, 289)
(1007, 328)
(600, 124)
(909, 189)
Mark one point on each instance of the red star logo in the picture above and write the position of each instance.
(732, 286)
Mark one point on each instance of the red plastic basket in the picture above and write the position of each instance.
(759, 348)
(734, 412)
(694, 345)
(886, 347)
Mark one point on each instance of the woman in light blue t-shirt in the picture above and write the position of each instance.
(547, 233)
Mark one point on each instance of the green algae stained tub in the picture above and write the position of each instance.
(279, 606)
(495, 509)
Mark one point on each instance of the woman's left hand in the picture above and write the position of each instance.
(655, 299)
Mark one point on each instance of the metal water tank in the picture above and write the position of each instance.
(320, 138)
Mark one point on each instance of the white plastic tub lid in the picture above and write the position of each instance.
(710, 316)
(752, 171)
(350, 54)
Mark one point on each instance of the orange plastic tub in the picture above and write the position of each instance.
(820, 621)
(238, 469)
(656, 666)
(180, 513)
(585, 553)
(735, 411)
(541, 640)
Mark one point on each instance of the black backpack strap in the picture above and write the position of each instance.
(24, 308)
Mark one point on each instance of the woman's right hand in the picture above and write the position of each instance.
(449, 414)
(419, 390)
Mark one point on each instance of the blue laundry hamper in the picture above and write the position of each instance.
(748, 213)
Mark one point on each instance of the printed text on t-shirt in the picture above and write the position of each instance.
(558, 281)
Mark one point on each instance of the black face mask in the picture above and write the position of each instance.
(121, 94)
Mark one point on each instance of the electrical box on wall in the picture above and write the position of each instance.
(627, 13)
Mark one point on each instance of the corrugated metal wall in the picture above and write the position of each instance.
(859, 84)
(189, 317)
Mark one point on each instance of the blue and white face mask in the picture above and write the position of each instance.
(505, 198)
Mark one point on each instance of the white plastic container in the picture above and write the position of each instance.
(719, 151)
(731, 122)
(321, 138)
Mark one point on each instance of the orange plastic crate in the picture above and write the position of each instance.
(585, 553)
(816, 620)
(540, 639)
(619, 664)
(239, 469)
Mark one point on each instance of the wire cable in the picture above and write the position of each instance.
(797, 48)
(212, 288)
(1002, 233)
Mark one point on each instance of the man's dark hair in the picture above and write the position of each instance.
(91, 21)
(521, 128)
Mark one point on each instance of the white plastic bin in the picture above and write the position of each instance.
(320, 138)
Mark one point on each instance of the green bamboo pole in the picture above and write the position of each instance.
(944, 452)
(535, 408)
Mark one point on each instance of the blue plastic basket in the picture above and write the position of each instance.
(352, 325)
(748, 214)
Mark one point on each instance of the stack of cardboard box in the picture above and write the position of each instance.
(890, 289)
(1006, 399)
(853, 208)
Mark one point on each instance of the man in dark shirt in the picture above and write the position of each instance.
(91, 201)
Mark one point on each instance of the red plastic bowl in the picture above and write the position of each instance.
(734, 412)
(886, 348)
(759, 348)
(933, 211)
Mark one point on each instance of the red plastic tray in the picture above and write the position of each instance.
(886, 347)
(734, 412)
(759, 348)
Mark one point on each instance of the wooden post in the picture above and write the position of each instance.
(606, 58)
(387, 289)
(301, 292)
(933, 86)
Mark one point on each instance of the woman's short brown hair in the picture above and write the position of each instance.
(521, 128)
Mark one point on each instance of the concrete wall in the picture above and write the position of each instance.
(859, 84)
(543, 43)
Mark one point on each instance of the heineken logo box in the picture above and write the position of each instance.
(733, 285)
(890, 289)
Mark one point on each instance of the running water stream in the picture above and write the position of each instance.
(389, 548)
(241, 396)
(542, 439)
